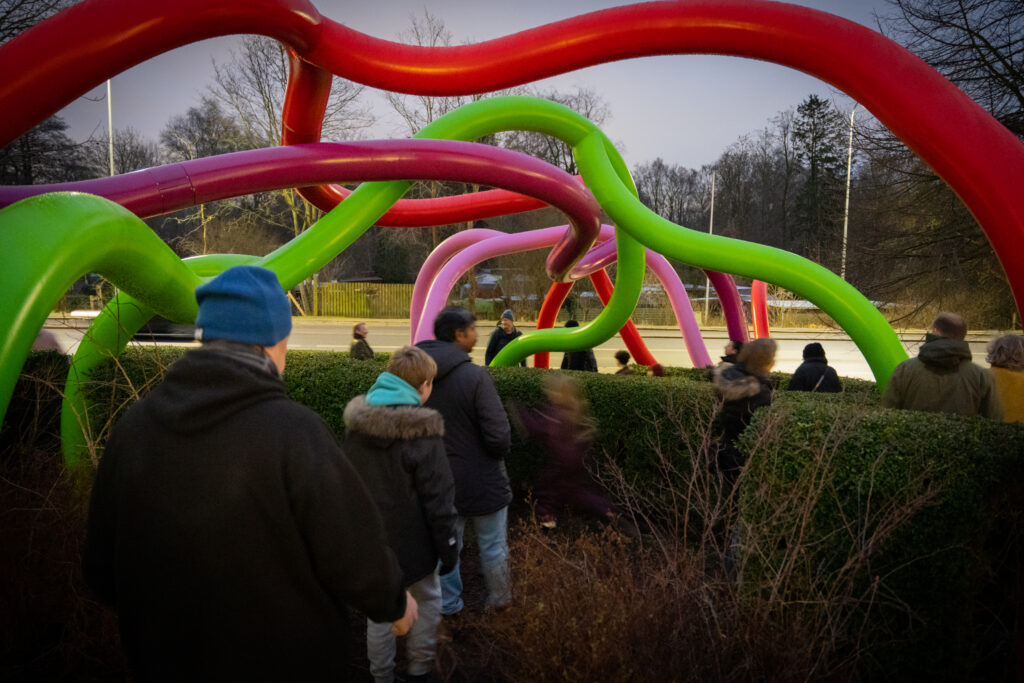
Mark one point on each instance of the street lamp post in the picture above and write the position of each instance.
(110, 128)
(846, 210)
(711, 230)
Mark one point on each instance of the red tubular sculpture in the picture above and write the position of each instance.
(759, 308)
(49, 65)
(603, 286)
(548, 313)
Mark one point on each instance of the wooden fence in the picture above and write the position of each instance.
(363, 300)
(375, 300)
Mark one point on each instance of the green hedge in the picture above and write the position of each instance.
(912, 517)
(856, 390)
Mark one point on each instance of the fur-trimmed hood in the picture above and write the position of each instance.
(733, 382)
(392, 422)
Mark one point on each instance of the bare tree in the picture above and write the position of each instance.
(252, 85)
(203, 131)
(416, 111)
(250, 89)
(132, 152)
(977, 44)
(17, 16)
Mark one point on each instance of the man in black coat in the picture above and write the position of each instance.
(815, 374)
(504, 333)
(477, 438)
(226, 527)
(579, 360)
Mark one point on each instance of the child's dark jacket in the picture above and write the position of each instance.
(399, 452)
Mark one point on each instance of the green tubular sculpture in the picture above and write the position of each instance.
(106, 338)
(49, 241)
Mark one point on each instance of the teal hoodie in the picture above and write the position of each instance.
(391, 390)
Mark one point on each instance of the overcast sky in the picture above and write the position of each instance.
(686, 109)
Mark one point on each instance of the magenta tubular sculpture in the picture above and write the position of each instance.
(724, 284)
(167, 188)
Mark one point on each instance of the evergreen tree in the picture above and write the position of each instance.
(44, 154)
(819, 142)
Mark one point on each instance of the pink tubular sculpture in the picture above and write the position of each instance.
(443, 268)
(725, 286)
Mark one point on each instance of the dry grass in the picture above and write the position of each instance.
(678, 603)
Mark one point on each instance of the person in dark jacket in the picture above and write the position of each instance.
(565, 433)
(622, 358)
(360, 348)
(579, 360)
(743, 387)
(504, 333)
(397, 447)
(942, 379)
(732, 349)
(477, 438)
(815, 374)
(226, 526)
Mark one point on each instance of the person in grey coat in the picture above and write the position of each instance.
(477, 438)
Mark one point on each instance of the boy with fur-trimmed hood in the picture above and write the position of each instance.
(397, 445)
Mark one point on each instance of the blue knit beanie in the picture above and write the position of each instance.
(244, 304)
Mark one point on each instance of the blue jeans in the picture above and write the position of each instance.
(492, 540)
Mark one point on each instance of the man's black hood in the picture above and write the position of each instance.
(447, 355)
(943, 354)
(207, 386)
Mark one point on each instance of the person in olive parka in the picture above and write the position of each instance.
(942, 379)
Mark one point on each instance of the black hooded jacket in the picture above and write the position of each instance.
(580, 360)
(477, 435)
(815, 374)
(399, 452)
(230, 532)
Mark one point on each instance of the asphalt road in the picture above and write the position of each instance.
(666, 344)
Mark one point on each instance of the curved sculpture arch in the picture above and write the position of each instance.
(50, 64)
